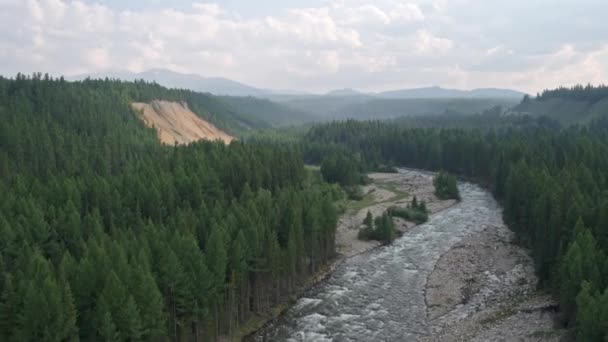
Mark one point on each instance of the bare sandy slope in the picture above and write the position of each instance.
(175, 123)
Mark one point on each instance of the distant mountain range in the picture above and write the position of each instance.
(345, 92)
(223, 86)
(171, 79)
(438, 92)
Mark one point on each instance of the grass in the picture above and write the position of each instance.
(394, 188)
(369, 200)
(355, 206)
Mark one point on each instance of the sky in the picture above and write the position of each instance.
(316, 45)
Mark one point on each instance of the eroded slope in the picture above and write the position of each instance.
(175, 123)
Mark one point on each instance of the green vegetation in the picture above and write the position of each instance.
(415, 212)
(381, 228)
(575, 105)
(266, 111)
(446, 186)
(342, 169)
(358, 204)
(105, 234)
(578, 92)
(365, 107)
(394, 188)
(551, 181)
(392, 108)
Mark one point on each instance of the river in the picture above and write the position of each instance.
(380, 295)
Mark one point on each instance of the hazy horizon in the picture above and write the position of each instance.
(316, 46)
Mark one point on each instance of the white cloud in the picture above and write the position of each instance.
(427, 43)
(341, 43)
(211, 9)
(406, 12)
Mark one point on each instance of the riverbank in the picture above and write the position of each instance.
(385, 191)
(484, 289)
(457, 277)
(258, 322)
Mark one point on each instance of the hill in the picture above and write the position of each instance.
(272, 113)
(567, 105)
(438, 92)
(172, 79)
(365, 107)
(344, 92)
(392, 108)
(108, 235)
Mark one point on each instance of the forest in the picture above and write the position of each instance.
(579, 92)
(552, 183)
(107, 235)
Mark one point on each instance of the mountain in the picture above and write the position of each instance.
(344, 92)
(378, 108)
(438, 92)
(172, 79)
(496, 93)
(97, 217)
(254, 107)
(370, 107)
(576, 105)
(274, 113)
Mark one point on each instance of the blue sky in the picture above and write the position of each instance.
(316, 45)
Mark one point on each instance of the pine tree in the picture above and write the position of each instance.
(9, 305)
(106, 328)
(588, 314)
(369, 220)
(149, 300)
(68, 315)
(122, 308)
(217, 260)
(570, 275)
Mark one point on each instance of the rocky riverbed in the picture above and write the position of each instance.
(385, 191)
(457, 277)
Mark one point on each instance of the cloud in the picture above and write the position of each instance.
(333, 44)
(427, 43)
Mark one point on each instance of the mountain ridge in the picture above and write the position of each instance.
(227, 87)
(440, 92)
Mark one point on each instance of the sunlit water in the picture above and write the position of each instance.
(380, 295)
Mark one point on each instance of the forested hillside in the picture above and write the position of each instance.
(365, 107)
(573, 105)
(392, 108)
(552, 183)
(273, 113)
(107, 235)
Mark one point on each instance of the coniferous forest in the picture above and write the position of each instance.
(107, 235)
(552, 183)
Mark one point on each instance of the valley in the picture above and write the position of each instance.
(458, 276)
(303, 171)
(185, 219)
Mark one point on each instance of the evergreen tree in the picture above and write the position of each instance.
(588, 315)
(122, 308)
